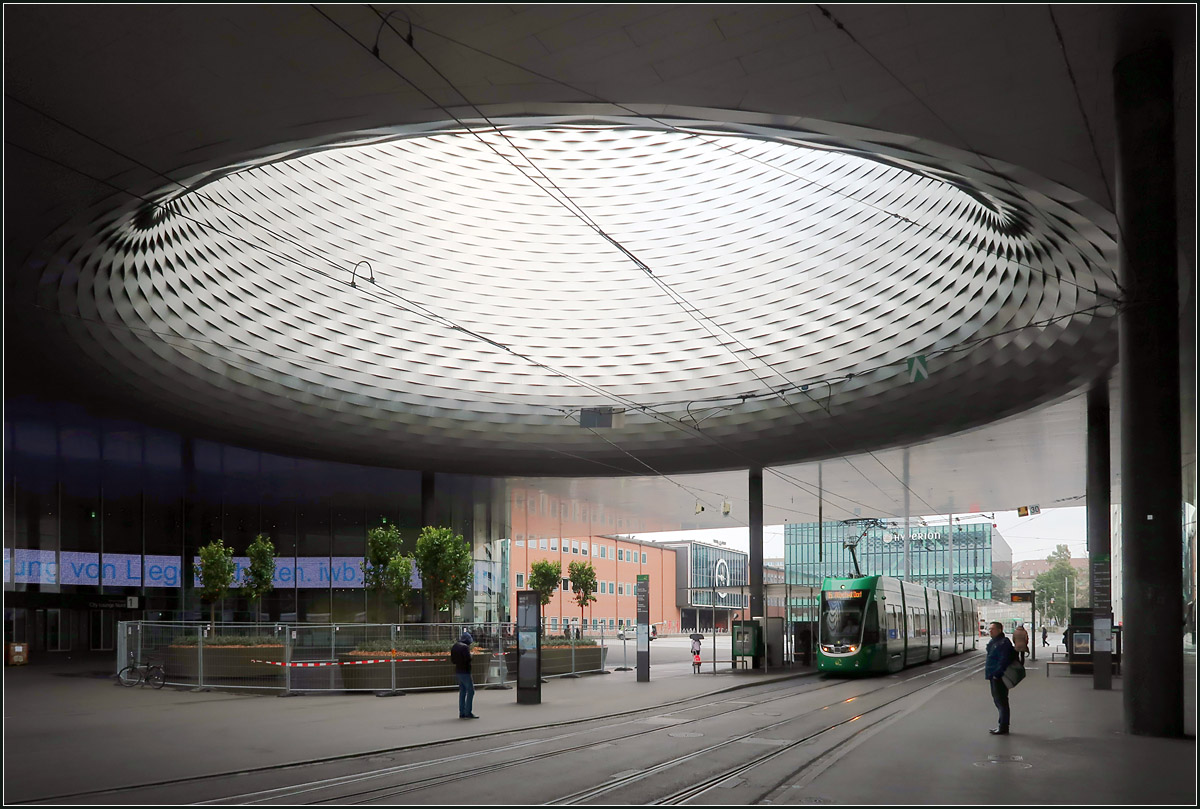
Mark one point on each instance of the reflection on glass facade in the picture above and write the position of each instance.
(970, 560)
(711, 585)
(101, 510)
(704, 570)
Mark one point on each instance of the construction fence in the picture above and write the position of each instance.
(296, 658)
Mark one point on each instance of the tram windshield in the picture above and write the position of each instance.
(842, 615)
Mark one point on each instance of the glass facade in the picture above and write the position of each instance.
(100, 510)
(705, 569)
(970, 560)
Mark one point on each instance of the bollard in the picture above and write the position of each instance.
(200, 632)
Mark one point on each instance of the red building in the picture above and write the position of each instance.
(565, 530)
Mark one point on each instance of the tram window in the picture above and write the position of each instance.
(842, 619)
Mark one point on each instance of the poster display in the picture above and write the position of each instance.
(529, 648)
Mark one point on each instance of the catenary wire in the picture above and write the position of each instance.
(841, 27)
(684, 303)
(685, 130)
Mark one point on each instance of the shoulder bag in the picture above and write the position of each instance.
(1014, 674)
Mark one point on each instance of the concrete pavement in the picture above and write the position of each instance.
(69, 729)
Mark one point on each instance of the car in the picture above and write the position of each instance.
(630, 633)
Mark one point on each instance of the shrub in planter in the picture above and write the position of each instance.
(556, 656)
(420, 664)
(227, 660)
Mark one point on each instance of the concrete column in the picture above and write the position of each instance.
(821, 517)
(1151, 490)
(428, 517)
(757, 603)
(1098, 523)
(907, 521)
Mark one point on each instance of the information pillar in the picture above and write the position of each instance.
(529, 648)
(643, 629)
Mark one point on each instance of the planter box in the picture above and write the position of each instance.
(432, 671)
(557, 660)
(225, 665)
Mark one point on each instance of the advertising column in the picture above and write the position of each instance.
(529, 648)
(643, 628)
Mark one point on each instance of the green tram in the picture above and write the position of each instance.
(876, 624)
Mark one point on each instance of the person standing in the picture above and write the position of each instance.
(1000, 654)
(695, 646)
(1020, 642)
(460, 655)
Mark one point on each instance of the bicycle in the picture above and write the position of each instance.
(149, 672)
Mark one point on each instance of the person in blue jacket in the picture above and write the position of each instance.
(1000, 654)
(460, 655)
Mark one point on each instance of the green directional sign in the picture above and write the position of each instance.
(918, 368)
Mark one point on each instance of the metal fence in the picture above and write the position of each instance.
(294, 658)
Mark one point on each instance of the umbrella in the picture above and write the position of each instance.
(696, 636)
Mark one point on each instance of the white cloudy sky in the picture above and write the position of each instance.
(1033, 537)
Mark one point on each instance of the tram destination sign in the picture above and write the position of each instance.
(1021, 596)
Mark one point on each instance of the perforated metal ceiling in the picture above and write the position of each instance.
(747, 294)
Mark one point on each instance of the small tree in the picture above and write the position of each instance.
(216, 573)
(397, 582)
(386, 569)
(1053, 588)
(259, 578)
(444, 559)
(544, 578)
(583, 583)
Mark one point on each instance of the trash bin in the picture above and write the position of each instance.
(18, 654)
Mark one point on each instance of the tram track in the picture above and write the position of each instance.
(199, 780)
(442, 780)
(460, 766)
(711, 782)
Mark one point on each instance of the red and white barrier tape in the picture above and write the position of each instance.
(352, 662)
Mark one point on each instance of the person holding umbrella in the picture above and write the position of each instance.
(696, 638)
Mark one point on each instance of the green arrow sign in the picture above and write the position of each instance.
(918, 368)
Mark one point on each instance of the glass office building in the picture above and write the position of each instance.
(712, 583)
(971, 560)
(104, 517)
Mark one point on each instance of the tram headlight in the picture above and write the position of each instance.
(853, 648)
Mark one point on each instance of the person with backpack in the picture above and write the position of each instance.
(460, 656)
